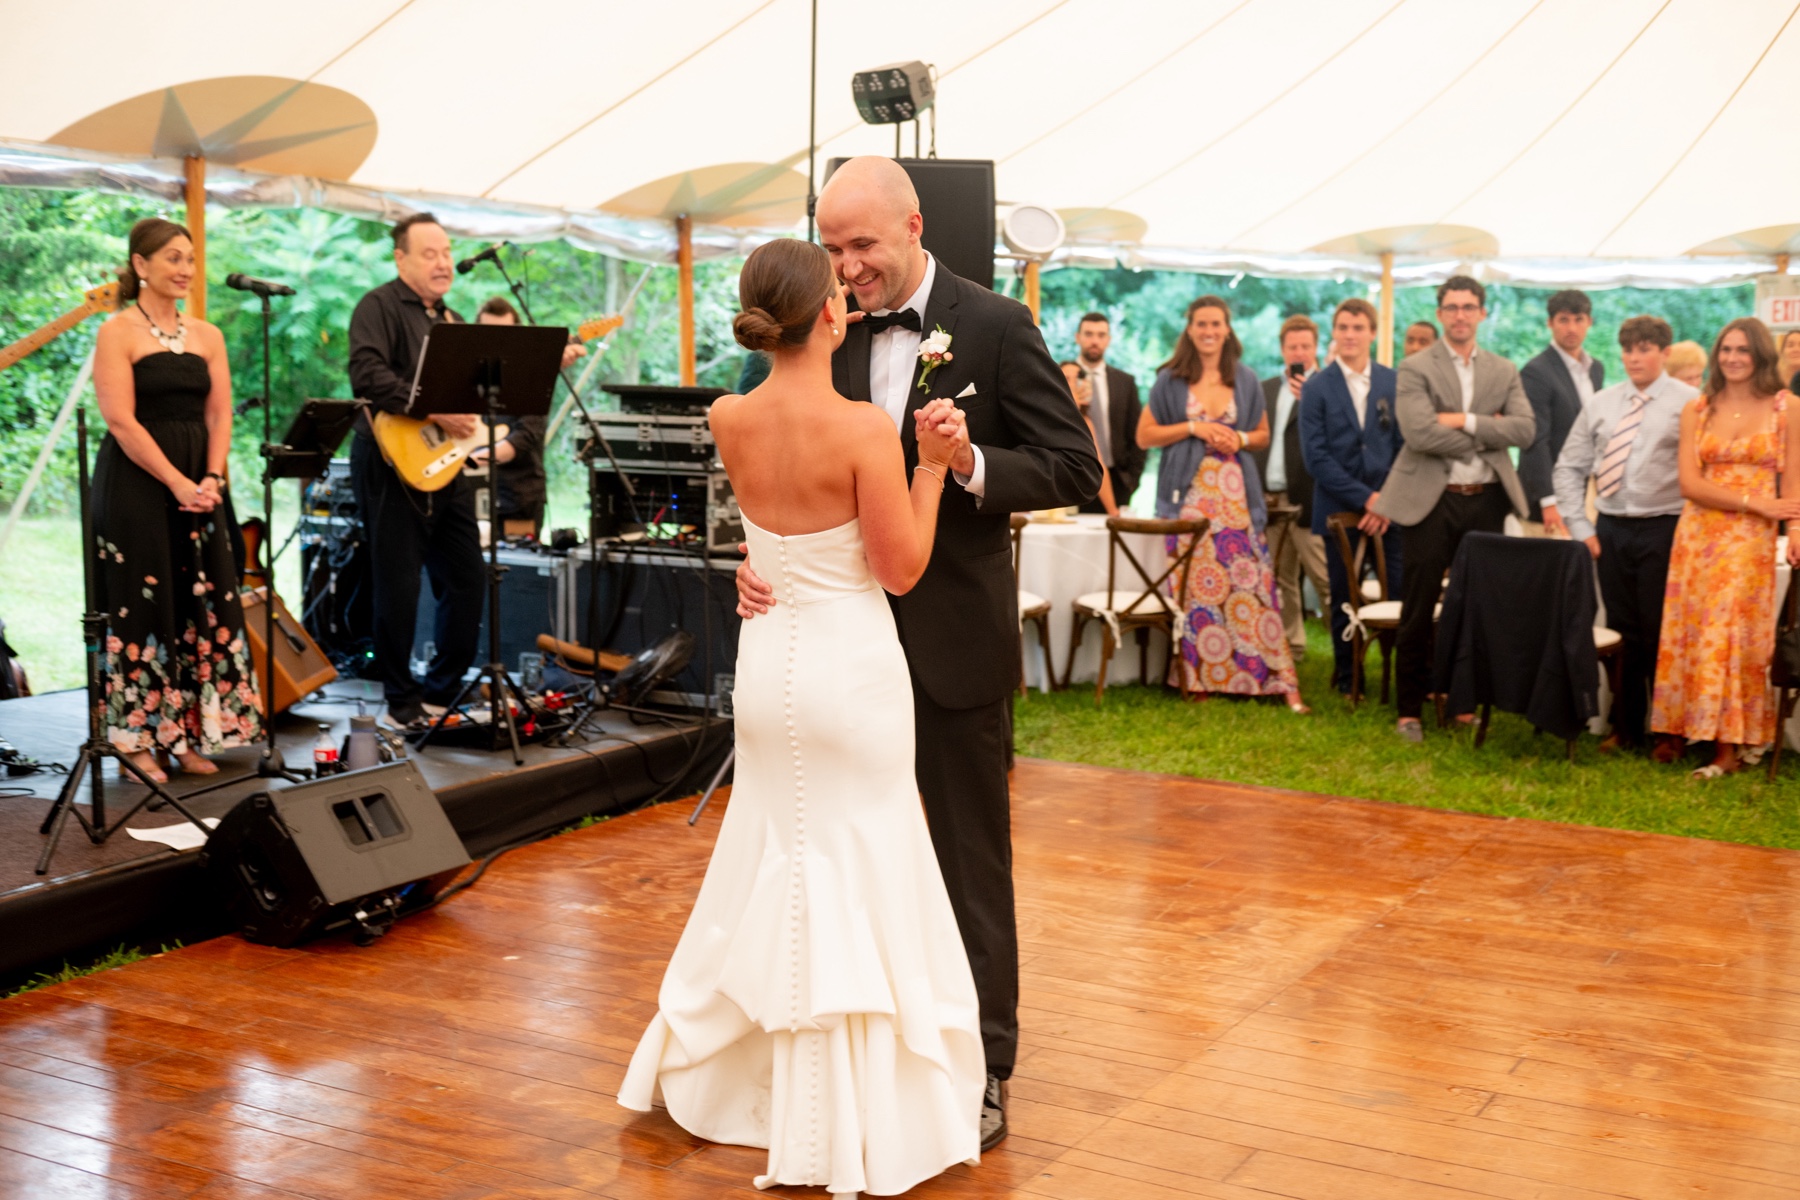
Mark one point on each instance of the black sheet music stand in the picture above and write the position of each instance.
(491, 371)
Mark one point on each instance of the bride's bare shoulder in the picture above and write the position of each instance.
(723, 408)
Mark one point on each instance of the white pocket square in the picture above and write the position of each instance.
(966, 392)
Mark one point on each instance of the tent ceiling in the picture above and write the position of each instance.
(1559, 128)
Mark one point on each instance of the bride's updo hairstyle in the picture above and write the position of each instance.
(781, 290)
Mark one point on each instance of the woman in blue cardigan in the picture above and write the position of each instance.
(1206, 412)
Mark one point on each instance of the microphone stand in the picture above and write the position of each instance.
(270, 765)
(595, 701)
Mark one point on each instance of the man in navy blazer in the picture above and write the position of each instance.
(1349, 437)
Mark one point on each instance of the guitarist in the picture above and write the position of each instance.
(409, 529)
(519, 485)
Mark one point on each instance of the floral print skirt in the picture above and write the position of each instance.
(1229, 636)
(177, 669)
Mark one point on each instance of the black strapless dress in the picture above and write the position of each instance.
(177, 669)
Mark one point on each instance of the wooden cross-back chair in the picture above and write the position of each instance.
(1033, 608)
(1129, 610)
(1377, 615)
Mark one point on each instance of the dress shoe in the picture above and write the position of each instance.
(993, 1114)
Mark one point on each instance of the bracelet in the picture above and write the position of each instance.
(1243, 439)
(213, 475)
(1190, 428)
(930, 472)
(1744, 504)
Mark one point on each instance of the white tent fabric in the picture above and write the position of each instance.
(1583, 131)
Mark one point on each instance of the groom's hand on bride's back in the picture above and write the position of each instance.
(754, 596)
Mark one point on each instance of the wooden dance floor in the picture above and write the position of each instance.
(1228, 993)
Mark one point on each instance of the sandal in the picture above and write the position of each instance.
(1299, 708)
(144, 761)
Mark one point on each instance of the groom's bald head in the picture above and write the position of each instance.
(869, 222)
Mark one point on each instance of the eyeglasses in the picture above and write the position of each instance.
(1457, 310)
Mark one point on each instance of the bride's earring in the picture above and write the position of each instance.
(834, 330)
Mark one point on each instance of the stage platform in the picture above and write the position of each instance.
(1229, 992)
(131, 891)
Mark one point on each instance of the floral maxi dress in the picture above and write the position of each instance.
(177, 673)
(1718, 626)
(1229, 633)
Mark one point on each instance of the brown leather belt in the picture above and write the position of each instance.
(1466, 489)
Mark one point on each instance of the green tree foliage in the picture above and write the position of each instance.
(55, 245)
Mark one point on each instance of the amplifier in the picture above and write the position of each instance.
(650, 441)
(534, 599)
(644, 594)
(301, 668)
(337, 588)
(698, 497)
(653, 398)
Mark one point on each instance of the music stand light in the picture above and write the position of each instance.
(490, 371)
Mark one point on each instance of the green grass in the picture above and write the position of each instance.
(1516, 774)
(120, 957)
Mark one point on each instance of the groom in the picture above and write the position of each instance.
(1027, 448)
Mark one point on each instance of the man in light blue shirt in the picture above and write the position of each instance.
(1628, 438)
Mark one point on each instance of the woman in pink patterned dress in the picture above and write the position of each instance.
(1206, 411)
(1718, 627)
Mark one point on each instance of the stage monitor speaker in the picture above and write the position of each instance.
(301, 668)
(956, 200)
(298, 862)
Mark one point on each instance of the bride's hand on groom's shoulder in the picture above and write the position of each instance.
(755, 597)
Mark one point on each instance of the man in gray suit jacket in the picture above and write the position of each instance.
(1460, 409)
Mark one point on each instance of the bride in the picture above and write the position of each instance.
(820, 1003)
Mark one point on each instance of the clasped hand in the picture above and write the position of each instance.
(200, 497)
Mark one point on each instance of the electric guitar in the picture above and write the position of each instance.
(98, 299)
(425, 456)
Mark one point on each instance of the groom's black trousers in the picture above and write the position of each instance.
(961, 766)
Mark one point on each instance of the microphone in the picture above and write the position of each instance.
(247, 404)
(491, 254)
(262, 287)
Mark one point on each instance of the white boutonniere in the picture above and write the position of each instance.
(934, 352)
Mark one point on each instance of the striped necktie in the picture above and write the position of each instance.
(1618, 449)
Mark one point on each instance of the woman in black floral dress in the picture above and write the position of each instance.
(178, 679)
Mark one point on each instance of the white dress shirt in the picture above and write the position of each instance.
(892, 356)
(1470, 469)
(1652, 483)
(1584, 389)
(1359, 384)
(1285, 404)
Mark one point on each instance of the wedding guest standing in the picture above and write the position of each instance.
(1627, 440)
(1350, 438)
(1560, 382)
(1687, 363)
(1420, 335)
(178, 680)
(1206, 412)
(1113, 409)
(1460, 410)
(1081, 386)
(1718, 620)
(1790, 357)
(1282, 464)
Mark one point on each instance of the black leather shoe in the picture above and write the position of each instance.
(993, 1114)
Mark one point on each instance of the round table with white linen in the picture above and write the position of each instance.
(1060, 560)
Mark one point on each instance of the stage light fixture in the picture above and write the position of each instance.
(1033, 231)
(894, 94)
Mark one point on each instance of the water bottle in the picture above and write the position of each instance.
(325, 753)
(360, 749)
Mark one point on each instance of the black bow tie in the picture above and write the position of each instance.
(906, 318)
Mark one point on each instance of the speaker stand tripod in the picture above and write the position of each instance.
(97, 749)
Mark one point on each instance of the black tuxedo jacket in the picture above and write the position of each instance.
(960, 623)
(1555, 403)
(1299, 480)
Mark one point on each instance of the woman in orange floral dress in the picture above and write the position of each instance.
(1206, 411)
(1718, 627)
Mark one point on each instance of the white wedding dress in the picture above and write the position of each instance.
(820, 1002)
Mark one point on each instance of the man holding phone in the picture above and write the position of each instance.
(1286, 481)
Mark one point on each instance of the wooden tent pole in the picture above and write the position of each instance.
(1384, 346)
(1031, 289)
(194, 168)
(1781, 264)
(684, 261)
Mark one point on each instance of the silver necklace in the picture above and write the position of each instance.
(175, 343)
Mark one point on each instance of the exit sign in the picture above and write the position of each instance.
(1781, 310)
